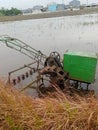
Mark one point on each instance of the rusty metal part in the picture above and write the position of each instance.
(32, 70)
(56, 75)
(54, 69)
(53, 59)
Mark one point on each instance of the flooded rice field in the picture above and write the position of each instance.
(74, 33)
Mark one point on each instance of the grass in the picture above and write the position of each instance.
(57, 111)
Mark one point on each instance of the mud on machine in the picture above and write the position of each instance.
(75, 69)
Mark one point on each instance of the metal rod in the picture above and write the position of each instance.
(35, 81)
(22, 67)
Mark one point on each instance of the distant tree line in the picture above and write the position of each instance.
(10, 12)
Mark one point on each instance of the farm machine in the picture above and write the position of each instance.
(75, 68)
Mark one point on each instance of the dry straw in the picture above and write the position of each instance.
(57, 111)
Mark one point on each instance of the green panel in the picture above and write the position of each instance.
(80, 66)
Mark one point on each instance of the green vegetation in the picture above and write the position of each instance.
(57, 111)
(9, 12)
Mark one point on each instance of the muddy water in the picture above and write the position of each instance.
(74, 33)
